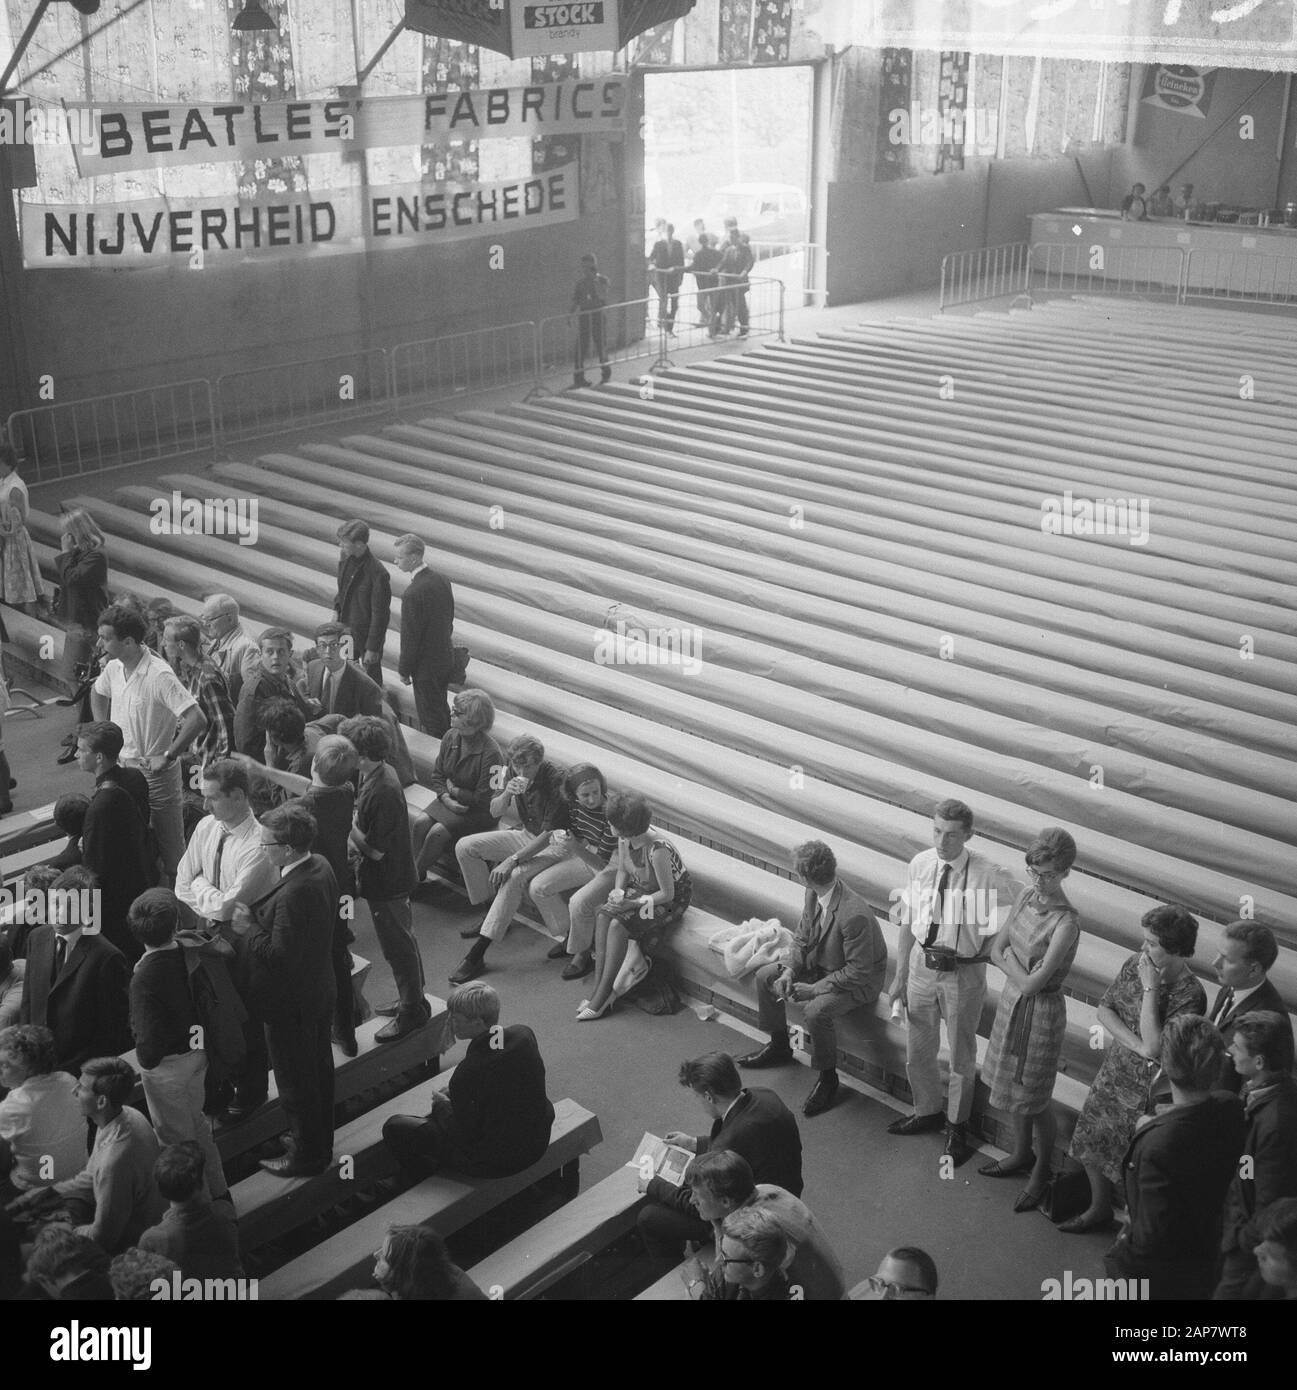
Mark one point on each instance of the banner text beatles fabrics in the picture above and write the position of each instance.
(133, 135)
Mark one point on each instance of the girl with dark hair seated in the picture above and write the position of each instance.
(1153, 986)
(648, 889)
(413, 1267)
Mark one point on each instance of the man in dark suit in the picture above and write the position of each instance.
(364, 599)
(115, 840)
(494, 1118)
(755, 1124)
(667, 268)
(1247, 951)
(427, 619)
(1262, 1054)
(76, 984)
(838, 963)
(1178, 1168)
(289, 942)
(333, 684)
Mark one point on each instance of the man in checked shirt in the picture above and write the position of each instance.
(224, 864)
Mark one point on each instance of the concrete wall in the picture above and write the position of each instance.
(888, 238)
(100, 331)
(1227, 169)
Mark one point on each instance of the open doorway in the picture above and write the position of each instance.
(724, 142)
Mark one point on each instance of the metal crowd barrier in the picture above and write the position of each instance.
(1245, 277)
(290, 396)
(1070, 268)
(461, 364)
(71, 438)
(985, 272)
(658, 325)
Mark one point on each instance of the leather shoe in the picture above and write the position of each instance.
(918, 1124)
(68, 755)
(240, 1109)
(468, 969)
(579, 967)
(346, 1044)
(398, 1029)
(1004, 1169)
(821, 1098)
(958, 1149)
(290, 1166)
(771, 1055)
(1027, 1200)
(557, 951)
(390, 1009)
(1079, 1225)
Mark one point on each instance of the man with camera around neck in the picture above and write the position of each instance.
(949, 912)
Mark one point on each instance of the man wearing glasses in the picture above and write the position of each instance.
(905, 1272)
(949, 912)
(752, 1253)
(227, 644)
(336, 684)
(289, 940)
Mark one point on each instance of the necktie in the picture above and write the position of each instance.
(938, 906)
(326, 692)
(1223, 1002)
(216, 863)
(60, 954)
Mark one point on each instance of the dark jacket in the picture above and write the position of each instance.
(427, 619)
(260, 688)
(86, 1007)
(383, 818)
(846, 953)
(1265, 996)
(364, 601)
(162, 1009)
(502, 1116)
(1271, 1143)
(83, 587)
(758, 1127)
(353, 691)
(117, 846)
(1177, 1169)
(290, 948)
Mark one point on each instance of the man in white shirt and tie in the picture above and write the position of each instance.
(224, 865)
(158, 717)
(949, 913)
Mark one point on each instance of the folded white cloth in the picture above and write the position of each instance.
(751, 945)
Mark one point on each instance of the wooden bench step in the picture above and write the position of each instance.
(562, 1242)
(444, 1201)
(669, 1289)
(269, 1207)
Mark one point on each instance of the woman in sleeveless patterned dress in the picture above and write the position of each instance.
(1035, 949)
(657, 890)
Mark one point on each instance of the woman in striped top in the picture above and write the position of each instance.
(648, 889)
(583, 832)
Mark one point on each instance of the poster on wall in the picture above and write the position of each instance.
(205, 231)
(1184, 91)
(118, 137)
(536, 28)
